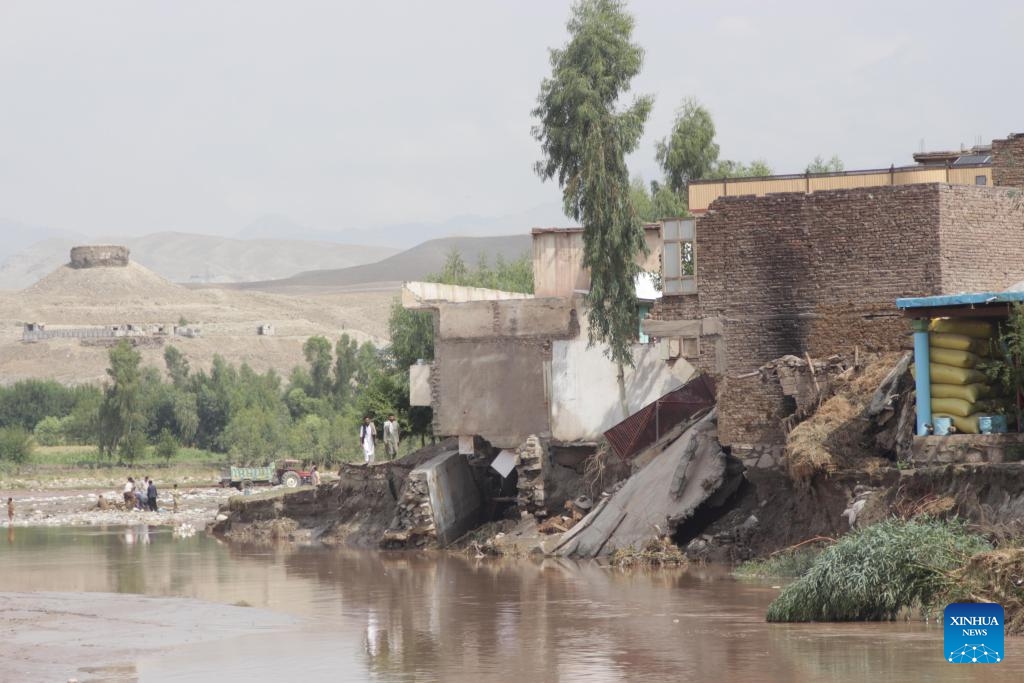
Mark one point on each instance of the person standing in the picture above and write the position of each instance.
(391, 437)
(151, 496)
(141, 491)
(129, 494)
(367, 434)
(314, 476)
(10, 511)
(174, 497)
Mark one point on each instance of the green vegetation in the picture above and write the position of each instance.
(819, 165)
(15, 444)
(1006, 370)
(790, 563)
(585, 139)
(508, 276)
(873, 573)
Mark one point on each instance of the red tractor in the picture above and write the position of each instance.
(291, 474)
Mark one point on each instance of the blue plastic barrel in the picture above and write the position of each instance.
(941, 424)
(985, 423)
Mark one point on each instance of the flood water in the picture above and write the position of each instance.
(434, 617)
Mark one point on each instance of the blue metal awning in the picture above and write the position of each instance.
(964, 299)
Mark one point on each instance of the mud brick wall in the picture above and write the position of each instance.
(105, 256)
(1008, 161)
(982, 236)
(819, 273)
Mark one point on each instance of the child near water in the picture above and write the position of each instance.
(10, 511)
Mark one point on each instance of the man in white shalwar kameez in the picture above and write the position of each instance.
(367, 434)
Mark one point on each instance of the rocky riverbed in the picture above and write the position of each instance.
(196, 507)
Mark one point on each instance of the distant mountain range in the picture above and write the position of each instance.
(406, 235)
(411, 264)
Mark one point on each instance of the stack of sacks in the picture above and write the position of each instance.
(956, 348)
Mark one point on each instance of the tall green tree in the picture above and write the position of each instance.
(122, 421)
(690, 151)
(177, 366)
(345, 352)
(317, 351)
(656, 203)
(585, 138)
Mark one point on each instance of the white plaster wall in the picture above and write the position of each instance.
(585, 393)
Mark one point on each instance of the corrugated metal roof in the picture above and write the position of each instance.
(644, 427)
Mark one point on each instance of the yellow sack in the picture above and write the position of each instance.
(966, 392)
(958, 342)
(964, 425)
(960, 359)
(947, 374)
(978, 329)
(953, 406)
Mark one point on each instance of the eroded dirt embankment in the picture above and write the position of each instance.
(353, 511)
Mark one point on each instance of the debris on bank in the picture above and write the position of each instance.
(657, 552)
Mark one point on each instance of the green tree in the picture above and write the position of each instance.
(255, 435)
(317, 351)
(819, 165)
(509, 276)
(121, 417)
(177, 366)
(455, 271)
(49, 431)
(585, 140)
(412, 335)
(166, 445)
(15, 444)
(737, 169)
(690, 152)
(657, 203)
(345, 352)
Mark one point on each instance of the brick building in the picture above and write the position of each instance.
(819, 273)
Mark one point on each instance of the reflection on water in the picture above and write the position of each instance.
(393, 616)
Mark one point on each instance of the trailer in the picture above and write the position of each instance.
(289, 473)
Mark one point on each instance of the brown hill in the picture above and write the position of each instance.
(89, 297)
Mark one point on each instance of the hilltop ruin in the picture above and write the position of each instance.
(99, 256)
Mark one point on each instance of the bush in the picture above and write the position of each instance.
(15, 444)
(166, 445)
(871, 574)
(49, 431)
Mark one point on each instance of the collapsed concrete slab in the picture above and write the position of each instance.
(439, 503)
(689, 473)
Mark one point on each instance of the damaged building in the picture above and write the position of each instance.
(814, 275)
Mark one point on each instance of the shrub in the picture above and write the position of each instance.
(166, 445)
(15, 444)
(49, 431)
(871, 574)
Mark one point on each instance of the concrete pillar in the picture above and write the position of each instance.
(923, 382)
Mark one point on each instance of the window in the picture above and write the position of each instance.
(677, 262)
(980, 180)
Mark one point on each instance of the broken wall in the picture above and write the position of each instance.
(488, 376)
(818, 273)
(585, 388)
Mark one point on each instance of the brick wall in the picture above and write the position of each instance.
(1008, 161)
(818, 274)
(982, 237)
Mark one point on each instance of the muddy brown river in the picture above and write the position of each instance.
(315, 614)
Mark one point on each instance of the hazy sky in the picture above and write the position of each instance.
(130, 117)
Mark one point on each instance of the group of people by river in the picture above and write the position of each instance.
(142, 495)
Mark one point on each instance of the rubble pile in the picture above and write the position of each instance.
(530, 469)
(413, 526)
